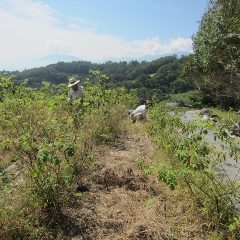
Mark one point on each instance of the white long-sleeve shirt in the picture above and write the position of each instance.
(141, 110)
(73, 95)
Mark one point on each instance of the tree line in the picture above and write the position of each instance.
(158, 77)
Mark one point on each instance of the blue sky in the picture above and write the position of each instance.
(135, 19)
(97, 30)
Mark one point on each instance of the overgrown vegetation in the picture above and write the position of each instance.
(49, 142)
(193, 166)
(190, 98)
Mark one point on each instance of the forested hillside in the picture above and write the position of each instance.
(157, 77)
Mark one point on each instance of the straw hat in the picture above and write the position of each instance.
(73, 81)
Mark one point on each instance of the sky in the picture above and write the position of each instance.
(96, 30)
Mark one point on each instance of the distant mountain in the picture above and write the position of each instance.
(38, 62)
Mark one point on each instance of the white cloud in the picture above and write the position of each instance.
(35, 11)
(154, 46)
(179, 44)
(29, 29)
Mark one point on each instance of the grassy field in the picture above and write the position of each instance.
(66, 168)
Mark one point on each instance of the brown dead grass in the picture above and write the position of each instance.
(123, 203)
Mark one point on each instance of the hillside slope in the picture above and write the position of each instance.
(156, 77)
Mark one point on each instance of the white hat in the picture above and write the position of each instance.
(73, 81)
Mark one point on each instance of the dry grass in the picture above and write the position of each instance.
(123, 203)
(120, 201)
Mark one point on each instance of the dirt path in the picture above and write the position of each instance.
(123, 203)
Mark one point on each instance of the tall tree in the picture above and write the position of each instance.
(215, 65)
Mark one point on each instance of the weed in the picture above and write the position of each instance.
(52, 142)
(192, 165)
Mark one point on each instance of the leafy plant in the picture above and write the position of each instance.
(52, 144)
(193, 162)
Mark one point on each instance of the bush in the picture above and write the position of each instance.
(193, 164)
(51, 141)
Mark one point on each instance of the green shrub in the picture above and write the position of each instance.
(193, 163)
(51, 141)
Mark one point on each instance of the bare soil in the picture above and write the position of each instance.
(118, 201)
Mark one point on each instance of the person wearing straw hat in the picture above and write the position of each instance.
(75, 91)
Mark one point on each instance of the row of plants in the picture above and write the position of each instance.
(193, 165)
(50, 141)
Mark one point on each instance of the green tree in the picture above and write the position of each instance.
(215, 67)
